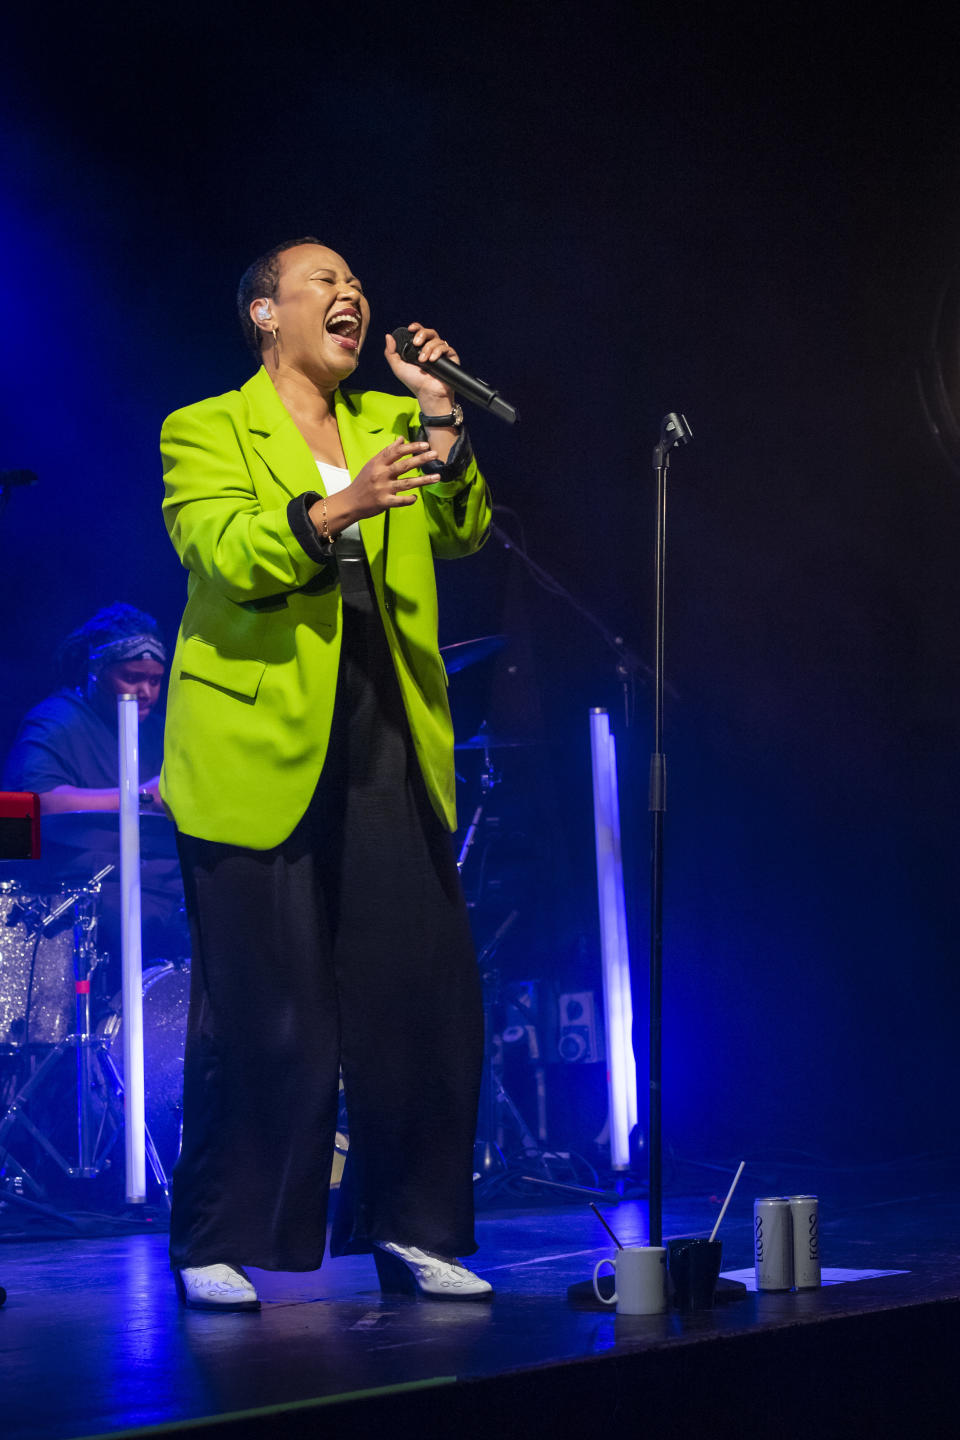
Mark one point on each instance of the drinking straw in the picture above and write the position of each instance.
(605, 1226)
(723, 1207)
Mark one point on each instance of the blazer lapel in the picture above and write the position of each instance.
(276, 438)
(280, 445)
(362, 438)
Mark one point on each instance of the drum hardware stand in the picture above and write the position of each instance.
(95, 1069)
(92, 887)
(489, 778)
(153, 1158)
(488, 1156)
(491, 1165)
(92, 1148)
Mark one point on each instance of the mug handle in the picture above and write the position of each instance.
(596, 1270)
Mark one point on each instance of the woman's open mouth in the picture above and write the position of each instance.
(344, 328)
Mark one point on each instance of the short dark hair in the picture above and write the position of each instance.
(262, 278)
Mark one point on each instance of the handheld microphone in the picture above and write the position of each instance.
(458, 379)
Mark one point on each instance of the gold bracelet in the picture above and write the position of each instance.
(325, 535)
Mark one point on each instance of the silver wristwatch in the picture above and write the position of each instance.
(443, 422)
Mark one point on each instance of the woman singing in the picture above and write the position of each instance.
(309, 768)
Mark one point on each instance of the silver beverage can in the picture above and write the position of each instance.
(773, 1243)
(805, 1213)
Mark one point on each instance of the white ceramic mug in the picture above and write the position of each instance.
(640, 1277)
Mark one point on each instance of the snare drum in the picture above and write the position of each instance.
(37, 994)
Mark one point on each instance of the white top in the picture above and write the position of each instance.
(349, 542)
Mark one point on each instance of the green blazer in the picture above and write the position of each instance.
(254, 674)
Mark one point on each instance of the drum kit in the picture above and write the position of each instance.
(61, 1051)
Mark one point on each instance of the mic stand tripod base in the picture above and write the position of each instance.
(488, 1161)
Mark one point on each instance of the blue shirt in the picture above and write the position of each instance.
(66, 741)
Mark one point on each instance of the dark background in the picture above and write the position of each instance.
(613, 211)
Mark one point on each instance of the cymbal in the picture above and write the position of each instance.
(468, 652)
(99, 832)
(491, 740)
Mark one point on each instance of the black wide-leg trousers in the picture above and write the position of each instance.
(345, 947)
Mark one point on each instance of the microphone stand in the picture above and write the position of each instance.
(674, 431)
(628, 669)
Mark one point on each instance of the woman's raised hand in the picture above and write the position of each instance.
(378, 486)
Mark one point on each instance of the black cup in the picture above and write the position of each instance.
(694, 1267)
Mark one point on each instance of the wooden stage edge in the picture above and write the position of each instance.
(887, 1373)
(92, 1342)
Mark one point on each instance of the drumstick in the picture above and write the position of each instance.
(605, 1226)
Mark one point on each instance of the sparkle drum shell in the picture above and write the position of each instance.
(36, 969)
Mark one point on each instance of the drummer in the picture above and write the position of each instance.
(66, 751)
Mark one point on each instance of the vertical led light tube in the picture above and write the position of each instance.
(130, 945)
(617, 1002)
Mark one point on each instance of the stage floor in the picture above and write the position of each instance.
(93, 1340)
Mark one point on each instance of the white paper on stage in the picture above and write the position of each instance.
(835, 1276)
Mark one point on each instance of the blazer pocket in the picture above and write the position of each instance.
(199, 660)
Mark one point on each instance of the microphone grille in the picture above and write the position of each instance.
(404, 338)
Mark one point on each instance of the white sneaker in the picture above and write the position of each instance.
(406, 1269)
(216, 1287)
